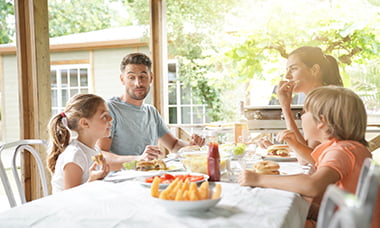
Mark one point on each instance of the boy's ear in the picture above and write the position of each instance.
(83, 123)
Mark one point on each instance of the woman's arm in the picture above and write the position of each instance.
(284, 92)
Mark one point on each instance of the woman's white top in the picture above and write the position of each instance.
(77, 153)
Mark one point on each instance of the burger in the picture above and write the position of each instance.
(280, 150)
(98, 159)
(267, 167)
(150, 165)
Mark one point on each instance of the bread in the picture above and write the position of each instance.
(267, 167)
(98, 159)
(150, 165)
(280, 150)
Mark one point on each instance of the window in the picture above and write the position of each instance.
(184, 107)
(66, 81)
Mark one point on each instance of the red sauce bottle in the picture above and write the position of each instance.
(213, 162)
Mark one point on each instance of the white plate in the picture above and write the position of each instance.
(290, 169)
(292, 157)
(188, 206)
(163, 186)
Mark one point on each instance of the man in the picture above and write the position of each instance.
(137, 127)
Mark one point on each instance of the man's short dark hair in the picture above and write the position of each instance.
(135, 58)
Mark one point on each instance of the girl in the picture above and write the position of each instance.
(307, 68)
(330, 119)
(71, 162)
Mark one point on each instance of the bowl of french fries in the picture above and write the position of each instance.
(186, 196)
(197, 161)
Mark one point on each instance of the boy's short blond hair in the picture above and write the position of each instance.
(343, 110)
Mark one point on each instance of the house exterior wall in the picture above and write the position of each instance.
(106, 83)
(11, 114)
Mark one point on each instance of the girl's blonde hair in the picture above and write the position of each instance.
(79, 106)
(343, 111)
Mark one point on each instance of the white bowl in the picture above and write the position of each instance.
(188, 206)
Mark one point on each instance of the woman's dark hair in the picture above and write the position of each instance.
(328, 64)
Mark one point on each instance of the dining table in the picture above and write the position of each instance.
(125, 201)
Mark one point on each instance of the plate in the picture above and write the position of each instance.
(187, 206)
(292, 157)
(290, 169)
(163, 186)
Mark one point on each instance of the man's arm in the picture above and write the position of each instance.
(173, 144)
(115, 161)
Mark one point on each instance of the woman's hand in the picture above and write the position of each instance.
(285, 91)
(248, 178)
(197, 140)
(98, 174)
(151, 152)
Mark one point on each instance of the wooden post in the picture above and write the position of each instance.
(33, 58)
(159, 56)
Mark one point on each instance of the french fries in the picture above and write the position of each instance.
(184, 191)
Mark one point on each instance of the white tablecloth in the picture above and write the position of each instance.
(129, 204)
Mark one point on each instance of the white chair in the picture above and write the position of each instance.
(343, 209)
(17, 146)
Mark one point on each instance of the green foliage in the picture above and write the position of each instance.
(339, 30)
(71, 16)
(6, 30)
(191, 27)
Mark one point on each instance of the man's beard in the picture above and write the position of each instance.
(139, 98)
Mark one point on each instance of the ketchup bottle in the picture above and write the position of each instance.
(213, 162)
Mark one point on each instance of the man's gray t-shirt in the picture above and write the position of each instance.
(134, 127)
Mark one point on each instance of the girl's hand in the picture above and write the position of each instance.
(248, 178)
(98, 174)
(197, 140)
(151, 152)
(284, 92)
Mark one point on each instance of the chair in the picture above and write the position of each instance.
(21, 145)
(343, 209)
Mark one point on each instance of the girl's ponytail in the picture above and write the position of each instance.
(59, 139)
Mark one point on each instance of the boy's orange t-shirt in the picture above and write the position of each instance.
(345, 157)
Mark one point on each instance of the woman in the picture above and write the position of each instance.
(307, 68)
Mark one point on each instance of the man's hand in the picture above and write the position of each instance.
(152, 152)
(197, 140)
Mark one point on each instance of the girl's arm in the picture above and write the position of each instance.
(307, 185)
(72, 175)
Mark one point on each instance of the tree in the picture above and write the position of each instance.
(71, 16)
(193, 30)
(338, 29)
(7, 30)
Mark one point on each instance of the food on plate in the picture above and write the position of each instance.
(197, 162)
(280, 150)
(239, 149)
(180, 190)
(167, 178)
(130, 165)
(189, 149)
(98, 159)
(267, 167)
(151, 165)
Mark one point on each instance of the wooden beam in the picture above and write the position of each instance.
(33, 58)
(159, 55)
